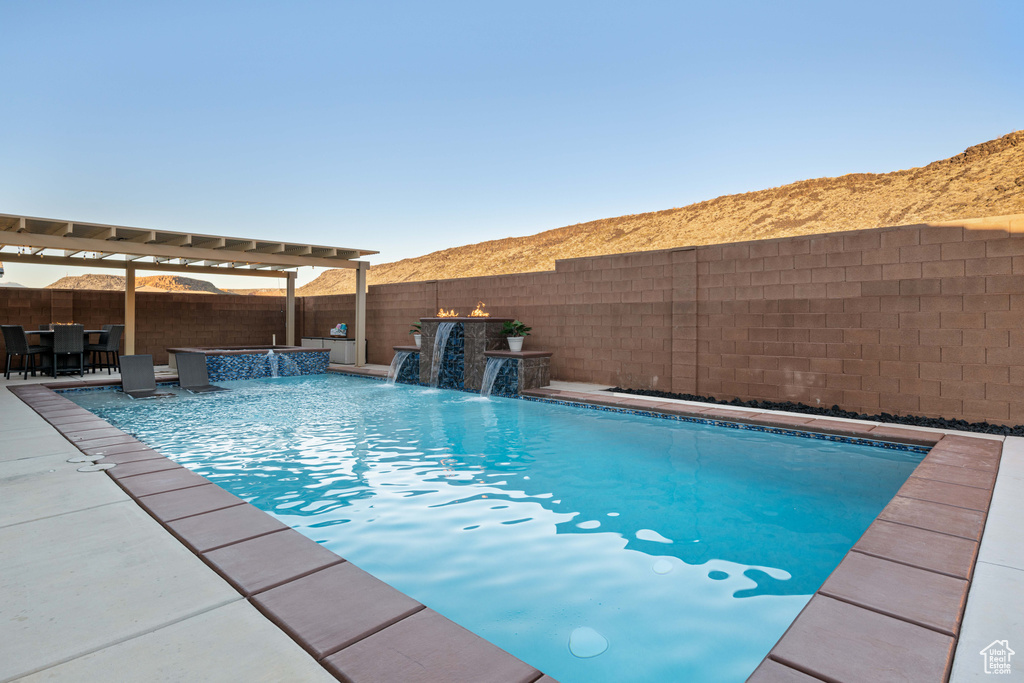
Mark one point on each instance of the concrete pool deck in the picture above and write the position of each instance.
(71, 622)
(93, 588)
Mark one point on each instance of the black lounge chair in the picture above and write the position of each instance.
(138, 379)
(192, 375)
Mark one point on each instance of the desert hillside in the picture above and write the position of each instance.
(985, 180)
(155, 283)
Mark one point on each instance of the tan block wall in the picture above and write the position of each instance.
(608, 319)
(916, 319)
(162, 320)
(922, 319)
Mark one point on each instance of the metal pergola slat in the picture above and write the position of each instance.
(93, 245)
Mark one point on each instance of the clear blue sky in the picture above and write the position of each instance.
(412, 127)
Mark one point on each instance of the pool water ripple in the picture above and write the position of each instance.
(687, 548)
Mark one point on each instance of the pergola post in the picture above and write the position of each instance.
(360, 330)
(289, 314)
(129, 309)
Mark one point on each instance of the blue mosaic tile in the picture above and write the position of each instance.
(451, 374)
(922, 450)
(373, 378)
(254, 365)
(739, 425)
(410, 371)
(506, 384)
(108, 387)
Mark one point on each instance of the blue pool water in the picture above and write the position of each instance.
(685, 549)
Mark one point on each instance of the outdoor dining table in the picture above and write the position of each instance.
(47, 335)
(46, 339)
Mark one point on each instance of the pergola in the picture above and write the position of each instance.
(47, 241)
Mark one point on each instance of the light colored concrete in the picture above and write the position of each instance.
(1001, 543)
(995, 603)
(92, 588)
(30, 443)
(14, 412)
(995, 611)
(163, 372)
(85, 580)
(743, 409)
(581, 387)
(228, 644)
(36, 488)
(367, 366)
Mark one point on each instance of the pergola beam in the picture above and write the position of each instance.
(121, 265)
(27, 239)
(239, 256)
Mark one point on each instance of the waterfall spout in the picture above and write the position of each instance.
(444, 330)
(491, 372)
(396, 365)
(272, 363)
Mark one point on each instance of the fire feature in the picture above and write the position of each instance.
(447, 314)
(479, 311)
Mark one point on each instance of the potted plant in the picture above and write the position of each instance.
(516, 332)
(414, 330)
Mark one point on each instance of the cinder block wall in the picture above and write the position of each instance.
(923, 319)
(608, 319)
(162, 320)
(915, 319)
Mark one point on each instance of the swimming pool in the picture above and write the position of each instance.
(683, 551)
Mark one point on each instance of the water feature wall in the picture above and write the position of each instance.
(405, 366)
(446, 356)
(457, 352)
(501, 377)
(228, 364)
(520, 372)
(461, 360)
(222, 368)
(278, 365)
(396, 365)
(494, 366)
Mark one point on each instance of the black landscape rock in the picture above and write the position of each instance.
(836, 411)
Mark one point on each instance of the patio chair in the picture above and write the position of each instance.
(138, 379)
(17, 345)
(107, 349)
(69, 341)
(192, 375)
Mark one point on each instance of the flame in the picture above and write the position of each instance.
(479, 312)
(447, 314)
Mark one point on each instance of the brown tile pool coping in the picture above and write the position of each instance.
(244, 350)
(891, 610)
(356, 626)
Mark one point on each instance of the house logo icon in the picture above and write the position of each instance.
(997, 657)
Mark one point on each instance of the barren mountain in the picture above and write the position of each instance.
(985, 180)
(155, 283)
